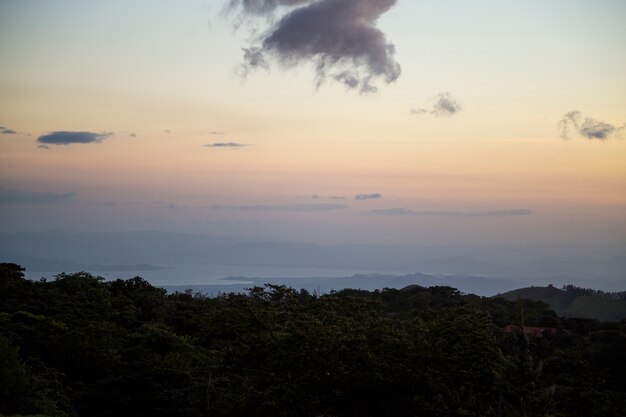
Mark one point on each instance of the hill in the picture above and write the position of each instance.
(569, 304)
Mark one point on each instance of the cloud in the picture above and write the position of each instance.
(367, 196)
(132, 135)
(282, 207)
(7, 131)
(444, 105)
(226, 145)
(443, 213)
(587, 127)
(164, 204)
(15, 196)
(263, 7)
(173, 206)
(339, 37)
(102, 203)
(216, 132)
(68, 138)
(330, 197)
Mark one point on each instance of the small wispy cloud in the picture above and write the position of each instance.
(373, 196)
(282, 207)
(217, 132)
(174, 206)
(16, 196)
(330, 197)
(443, 213)
(7, 131)
(443, 105)
(101, 203)
(339, 37)
(587, 127)
(226, 145)
(69, 138)
(164, 204)
(132, 135)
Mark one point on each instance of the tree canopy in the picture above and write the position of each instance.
(81, 346)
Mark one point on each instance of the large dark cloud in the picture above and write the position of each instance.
(15, 196)
(443, 105)
(339, 37)
(282, 207)
(587, 127)
(368, 196)
(443, 213)
(68, 138)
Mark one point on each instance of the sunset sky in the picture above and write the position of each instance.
(125, 115)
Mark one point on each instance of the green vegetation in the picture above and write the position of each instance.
(620, 295)
(574, 301)
(80, 346)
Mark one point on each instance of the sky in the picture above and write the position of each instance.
(330, 121)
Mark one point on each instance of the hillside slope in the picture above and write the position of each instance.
(567, 304)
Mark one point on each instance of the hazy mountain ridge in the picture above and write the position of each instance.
(568, 304)
(483, 286)
(512, 261)
(479, 269)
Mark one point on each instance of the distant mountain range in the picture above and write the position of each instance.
(601, 266)
(369, 282)
(469, 284)
(568, 304)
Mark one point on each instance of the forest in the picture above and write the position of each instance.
(82, 346)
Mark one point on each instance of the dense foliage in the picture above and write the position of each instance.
(80, 346)
(618, 295)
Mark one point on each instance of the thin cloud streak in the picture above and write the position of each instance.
(69, 138)
(282, 207)
(443, 213)
(330, 197)
(226, 145)
(374, 196)
(15, 196)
